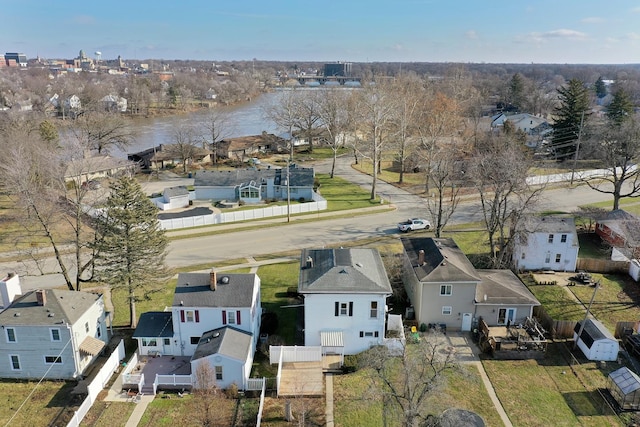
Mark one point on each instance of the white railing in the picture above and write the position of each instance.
(255, 383)
(395, 345)
(319, 204)
(261, 406)
(172, 380)
(96, 386)
(132, 378)
(295, 354)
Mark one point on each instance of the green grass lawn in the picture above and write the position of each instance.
(342, 194)
(275, 279)
(27, 403)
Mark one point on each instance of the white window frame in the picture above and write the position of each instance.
(446, 290)
(550, 238)
(558, 257)
(344, 309)
(368, 334)
(190, 316)
(15, 336)
(447, 310)
(563, 238)
(149, 342)
(547, 258)
(231, 317)
(53, 338)
(373, 310)
(218, 372)
(57, 360)
(17, 358)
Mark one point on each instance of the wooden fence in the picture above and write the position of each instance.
(563, 329)
(594, 265)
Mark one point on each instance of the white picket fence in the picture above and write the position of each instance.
(294, 354)
(98, 384)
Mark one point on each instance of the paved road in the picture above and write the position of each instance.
(248, 243)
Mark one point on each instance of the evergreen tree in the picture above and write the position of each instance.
(516, 92)
(570, 117)
(600, 88)
(131, 250)
(621, 108)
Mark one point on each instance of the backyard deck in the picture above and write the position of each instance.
(301, 379)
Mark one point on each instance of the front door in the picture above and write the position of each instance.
(466, 322)
(506, 315)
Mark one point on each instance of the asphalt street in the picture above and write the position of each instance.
(297, 235)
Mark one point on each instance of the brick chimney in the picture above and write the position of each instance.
(421, 257)
(41, 297)
(213, 280)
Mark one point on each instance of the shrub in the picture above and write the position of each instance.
(232, 391)
(423, 327)
(301, 200)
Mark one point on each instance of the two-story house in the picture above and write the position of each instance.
(345, 293)
(547, 243)
(445, 289)
(53, 334)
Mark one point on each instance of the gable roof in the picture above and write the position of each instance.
(353, 270)
(503, 287)
(593, 331)
(95, 164)
(227, 341)
(624, 224)
(178, 191)
(154, 324)
(60, 307)
(443, 260)
(550, 224)
(193, 290)
(298, 177)
(242, 143)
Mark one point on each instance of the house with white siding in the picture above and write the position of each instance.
(547, 243)
(52, 334)
(345, 293)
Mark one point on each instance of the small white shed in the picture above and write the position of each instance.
(634, 269)
(595, 341)
(175, 197)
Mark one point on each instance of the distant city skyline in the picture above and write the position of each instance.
(541, 31)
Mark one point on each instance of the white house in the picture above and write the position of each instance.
(55, 334)
(345, 293)
(595, 341)
(9, 289)
(114, 103)
(547, 243)
(214, 317)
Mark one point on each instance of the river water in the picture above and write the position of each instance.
(242, 120)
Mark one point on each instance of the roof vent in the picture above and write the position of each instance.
(16, 314)
(181, 302)
(225, 279)
(359, 264)
(50, 315)
(216, 335)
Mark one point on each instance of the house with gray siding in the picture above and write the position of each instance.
(52, 334)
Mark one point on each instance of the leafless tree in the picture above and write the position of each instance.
(186, 145)
(447, 175)
(374, 109)
(205, 394)
(308, 122)
(618, 146)
(102, 131)
(216, 127)
(499, 170)
(334, 116)
(284, 113)
(406, 381)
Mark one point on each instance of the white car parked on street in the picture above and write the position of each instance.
(413, 224)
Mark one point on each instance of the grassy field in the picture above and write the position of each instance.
(27, 403)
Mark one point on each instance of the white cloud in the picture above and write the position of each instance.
(471, 34)
(592, 20)
(555, 34)
(633, 36)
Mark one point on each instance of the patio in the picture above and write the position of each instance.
(149, 367)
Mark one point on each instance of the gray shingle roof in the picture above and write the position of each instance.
(550, 224)
(227, 341)
(60, 307)
(443, 260)
(298, 177)
(503, 287)
(154, 324)
(175, 191)
(356, 270)
(193, 290)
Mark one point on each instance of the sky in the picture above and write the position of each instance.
(469, 31)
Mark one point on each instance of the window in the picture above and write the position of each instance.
(522, 256)
(49, 360)
(550, 238)
(374, 309)
(547, 258)
(11, 335)
(364, 334)
(446, 310)
(558, 256)
(195, 340)
(231, 317)
(563, 238)
(218, 373)
(55, 334)
(149, 342)
(343, 309)
(368, 334)
(189, 315)
(167, 341)
(445, 290)
(15, 362)
(86, 327)
(99, 330)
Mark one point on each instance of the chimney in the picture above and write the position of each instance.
(309, 262)
(41, 297)
(421, 257)
(213, 280)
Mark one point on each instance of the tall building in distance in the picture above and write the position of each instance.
(13, 59)
(337, 69)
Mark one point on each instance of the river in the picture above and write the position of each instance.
(244, 119)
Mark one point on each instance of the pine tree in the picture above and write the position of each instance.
(516, 91)
(600, 88)
(131, 250)
(621, 108)
(570, 117)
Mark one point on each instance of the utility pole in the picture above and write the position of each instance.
(288, 192)
(586, 316)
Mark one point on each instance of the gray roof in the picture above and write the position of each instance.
(443, 260)
(60, 307)
(298, 177)
(503, 287)
(624, 224)
(175, 191)
(626, 380)
(193, 290)
(154, 324)
(227, 341)
(550, 224)
(593, 331)
(355, 270)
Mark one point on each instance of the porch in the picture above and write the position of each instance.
(525, 341)
(148, 373)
